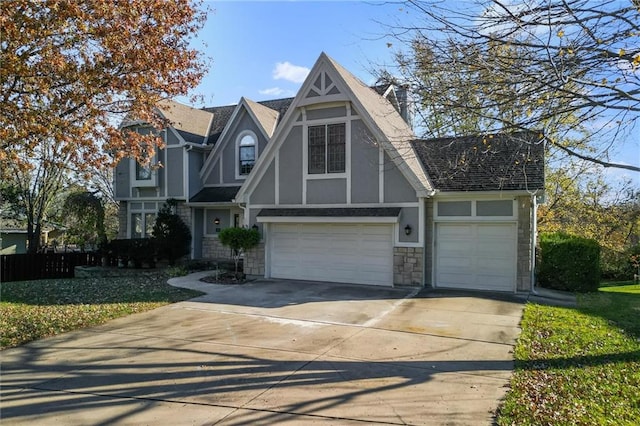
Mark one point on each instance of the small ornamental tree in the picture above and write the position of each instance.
(239, 240)
(172, 235)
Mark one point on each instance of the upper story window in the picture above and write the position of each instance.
(246, 153)
(143, 172)
(327, 148)
(144, 175)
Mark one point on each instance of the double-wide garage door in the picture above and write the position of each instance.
(349, 253)
(479, 256)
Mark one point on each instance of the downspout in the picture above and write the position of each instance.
(245, 220)
(534, 238)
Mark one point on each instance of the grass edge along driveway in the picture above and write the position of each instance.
(578, 366)
(32, 310)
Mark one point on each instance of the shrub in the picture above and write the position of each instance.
(239, 240)
(140, 250)
(173, 237)
(569, 263)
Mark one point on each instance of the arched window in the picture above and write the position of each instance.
(246, 153)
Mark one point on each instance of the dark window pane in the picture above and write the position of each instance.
(143, 172)
(247, 159)
(494, 208)
(336, 148)
(454, 208)
(316, 149)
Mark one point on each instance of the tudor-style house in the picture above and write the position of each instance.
(343, 191)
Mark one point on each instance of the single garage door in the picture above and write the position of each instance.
(349, 253)
(479, 256)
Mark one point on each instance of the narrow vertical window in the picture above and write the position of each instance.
(335, 148)
(246, 154)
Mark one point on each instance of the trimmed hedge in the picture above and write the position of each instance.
(569, 263)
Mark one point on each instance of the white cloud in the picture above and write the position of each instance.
(273, 91)
(288, 71)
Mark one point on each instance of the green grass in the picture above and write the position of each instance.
(578, 366)
(31, 310)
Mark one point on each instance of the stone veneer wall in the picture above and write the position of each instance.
(428, 242)
(184, 212)
(254, 261)
(408, 266)
(523, 279)
(122, 219)
(213, 249)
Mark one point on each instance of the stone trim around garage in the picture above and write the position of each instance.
(408, 266)
(254, 261)
(212, 248)
(523, 282)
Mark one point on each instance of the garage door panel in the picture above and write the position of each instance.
(356, 253)
(476, 256)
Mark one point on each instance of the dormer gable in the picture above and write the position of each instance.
(244, 138)
(328, 85)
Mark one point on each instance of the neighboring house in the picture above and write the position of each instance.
(13, 235)
(341, 190)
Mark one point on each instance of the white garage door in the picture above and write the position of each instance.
(476, 256)
(349, 253)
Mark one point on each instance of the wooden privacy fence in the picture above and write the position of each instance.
(22, 267)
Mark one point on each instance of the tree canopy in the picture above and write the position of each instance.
(72, 70)
(571, 61)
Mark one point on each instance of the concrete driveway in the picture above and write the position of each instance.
(273, 352)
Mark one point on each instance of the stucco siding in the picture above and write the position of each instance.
(325, 113)
(265, 192)
(243, 122)
(195, 160)
(122, 178)
(396, 187)
(171, 138)
(213, 178)
(290, 167)
(146, 192)
(326, 191)
(409, 216)
(175, 172)
(365, 169)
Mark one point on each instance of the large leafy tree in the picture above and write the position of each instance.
(561, 59)
(71, 72)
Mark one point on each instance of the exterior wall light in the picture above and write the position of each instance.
(255, 227)
(407, 230)
(216, 221)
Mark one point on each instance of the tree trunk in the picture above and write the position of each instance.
(33, 237)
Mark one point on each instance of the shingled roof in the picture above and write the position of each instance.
(220, 194)
(191, 123)
(222, 114)
(496, 162)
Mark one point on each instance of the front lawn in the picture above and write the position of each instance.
(578, 366)
(31, 310)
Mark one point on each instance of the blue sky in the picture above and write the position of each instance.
(263, 49)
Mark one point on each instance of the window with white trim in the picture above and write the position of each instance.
(326, 153)
(142, 224)
(143, 172)
(476, 208)
(246, 153)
